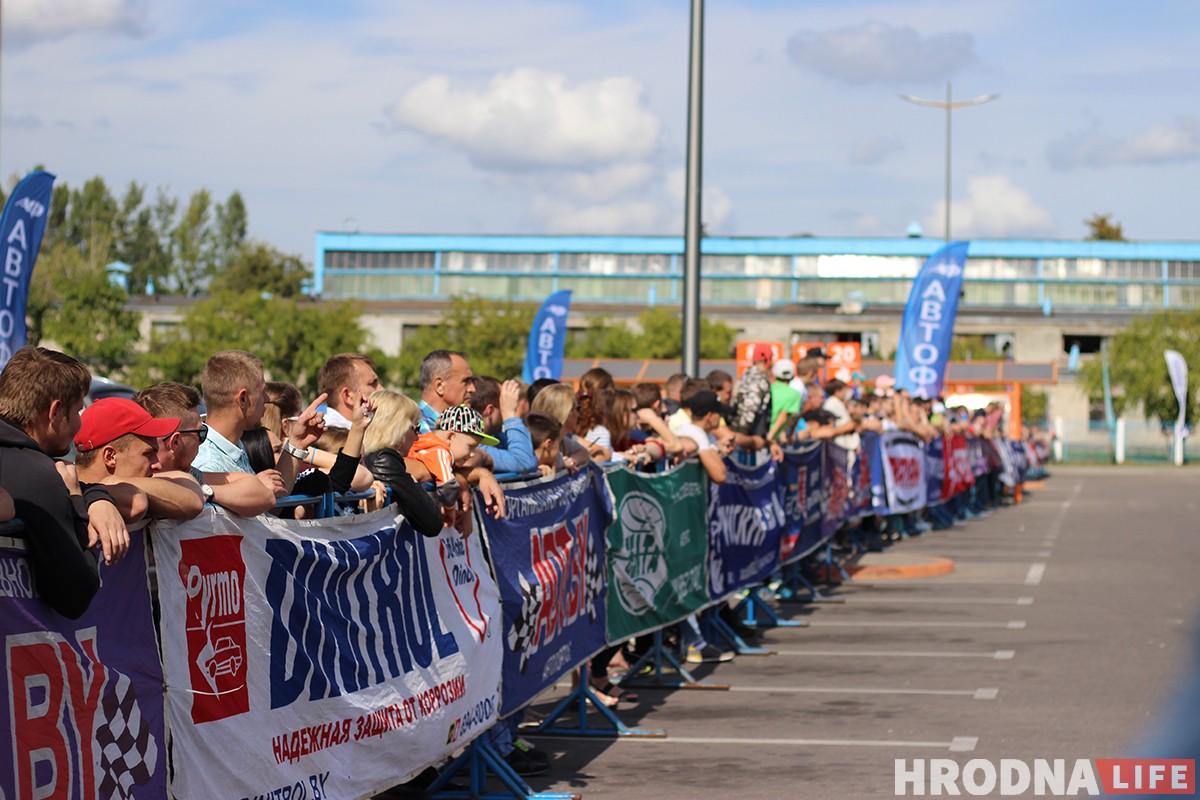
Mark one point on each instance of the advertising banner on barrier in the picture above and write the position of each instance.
(324, 658)
(863, 495)
(745, 526)
(803, 497)
(836, 506)
(958, 475)
(657, 548)
(868, 472)
(548, 553)
(82, 699)
(977, 456)
(935, 471)
(903, 471)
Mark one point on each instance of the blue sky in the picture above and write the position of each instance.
(565, 116)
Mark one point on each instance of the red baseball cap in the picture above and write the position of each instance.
(113, 417)
(762, 352)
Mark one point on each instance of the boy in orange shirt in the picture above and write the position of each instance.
(447, 448)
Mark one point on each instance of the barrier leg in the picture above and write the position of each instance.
(794, 580)
(754, 605)
(478, 761)
(659, 659)
(581, 698)
(718, 630)
(832, 563)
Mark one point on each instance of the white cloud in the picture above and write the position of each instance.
(650, 206)
(1160, 143)
(995, 207)
(877, 52)
(875, 149)
(529, 118)
(29, 21)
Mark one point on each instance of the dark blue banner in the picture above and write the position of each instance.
(873, 477)
(745, 527)
(548, 339)
(928, 324)
(935, 471)
(803, 497)
(21, 225)
(548, 554)
(836, 508)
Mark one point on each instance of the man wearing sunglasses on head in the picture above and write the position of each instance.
(243, 493)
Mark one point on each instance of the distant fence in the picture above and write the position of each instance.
(1145, 441)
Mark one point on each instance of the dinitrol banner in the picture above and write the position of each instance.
(745, 527)
(657, 547)
(927, 328)
(323, 658)
(82, 700)
(903, 471)
(548, 553)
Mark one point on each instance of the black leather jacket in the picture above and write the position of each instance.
(418, 508)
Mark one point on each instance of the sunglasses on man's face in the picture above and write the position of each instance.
(201, 432)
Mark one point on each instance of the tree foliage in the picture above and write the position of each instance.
(492, 334)
(292, 337)
(661, 337)
(1138, 371)
(257, 267)
(72, 304)
(1103, 228)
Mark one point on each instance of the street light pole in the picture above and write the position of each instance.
(691, 248)
(949, 105)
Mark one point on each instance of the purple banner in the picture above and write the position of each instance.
(83, 698)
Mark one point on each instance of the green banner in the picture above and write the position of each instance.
(657, 547)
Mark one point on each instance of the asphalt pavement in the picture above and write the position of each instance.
(1061, 633)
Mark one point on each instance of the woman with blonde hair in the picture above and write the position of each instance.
(558, 402)
(393, 429)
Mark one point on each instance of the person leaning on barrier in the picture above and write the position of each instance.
(235, 393)
(447, 451)
(283, 408)
(41, 395)
(118, 447)
(240, 492)
(498, 404)
(447, 381)
(557, 401)
(705, 412)
(387, 441)
(546, 434)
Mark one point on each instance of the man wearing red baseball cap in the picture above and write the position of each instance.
(118, 447)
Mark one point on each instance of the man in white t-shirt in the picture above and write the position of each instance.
(704, 413)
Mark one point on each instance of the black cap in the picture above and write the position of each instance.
(705, 402)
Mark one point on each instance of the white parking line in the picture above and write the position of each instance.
(959, 744)
(1010, 625)
(1036, 571)
(897, 600)
(998, 655)
(976, 694)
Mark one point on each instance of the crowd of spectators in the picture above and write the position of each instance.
(243, 443)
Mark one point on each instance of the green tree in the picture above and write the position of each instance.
(1137, 370)
(1103, 228)
(72, 303)
(661, 337)
(492, 334)
(1033, 405)
(257, 267)
(193, 243)
(293, 338)
(230, 233)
